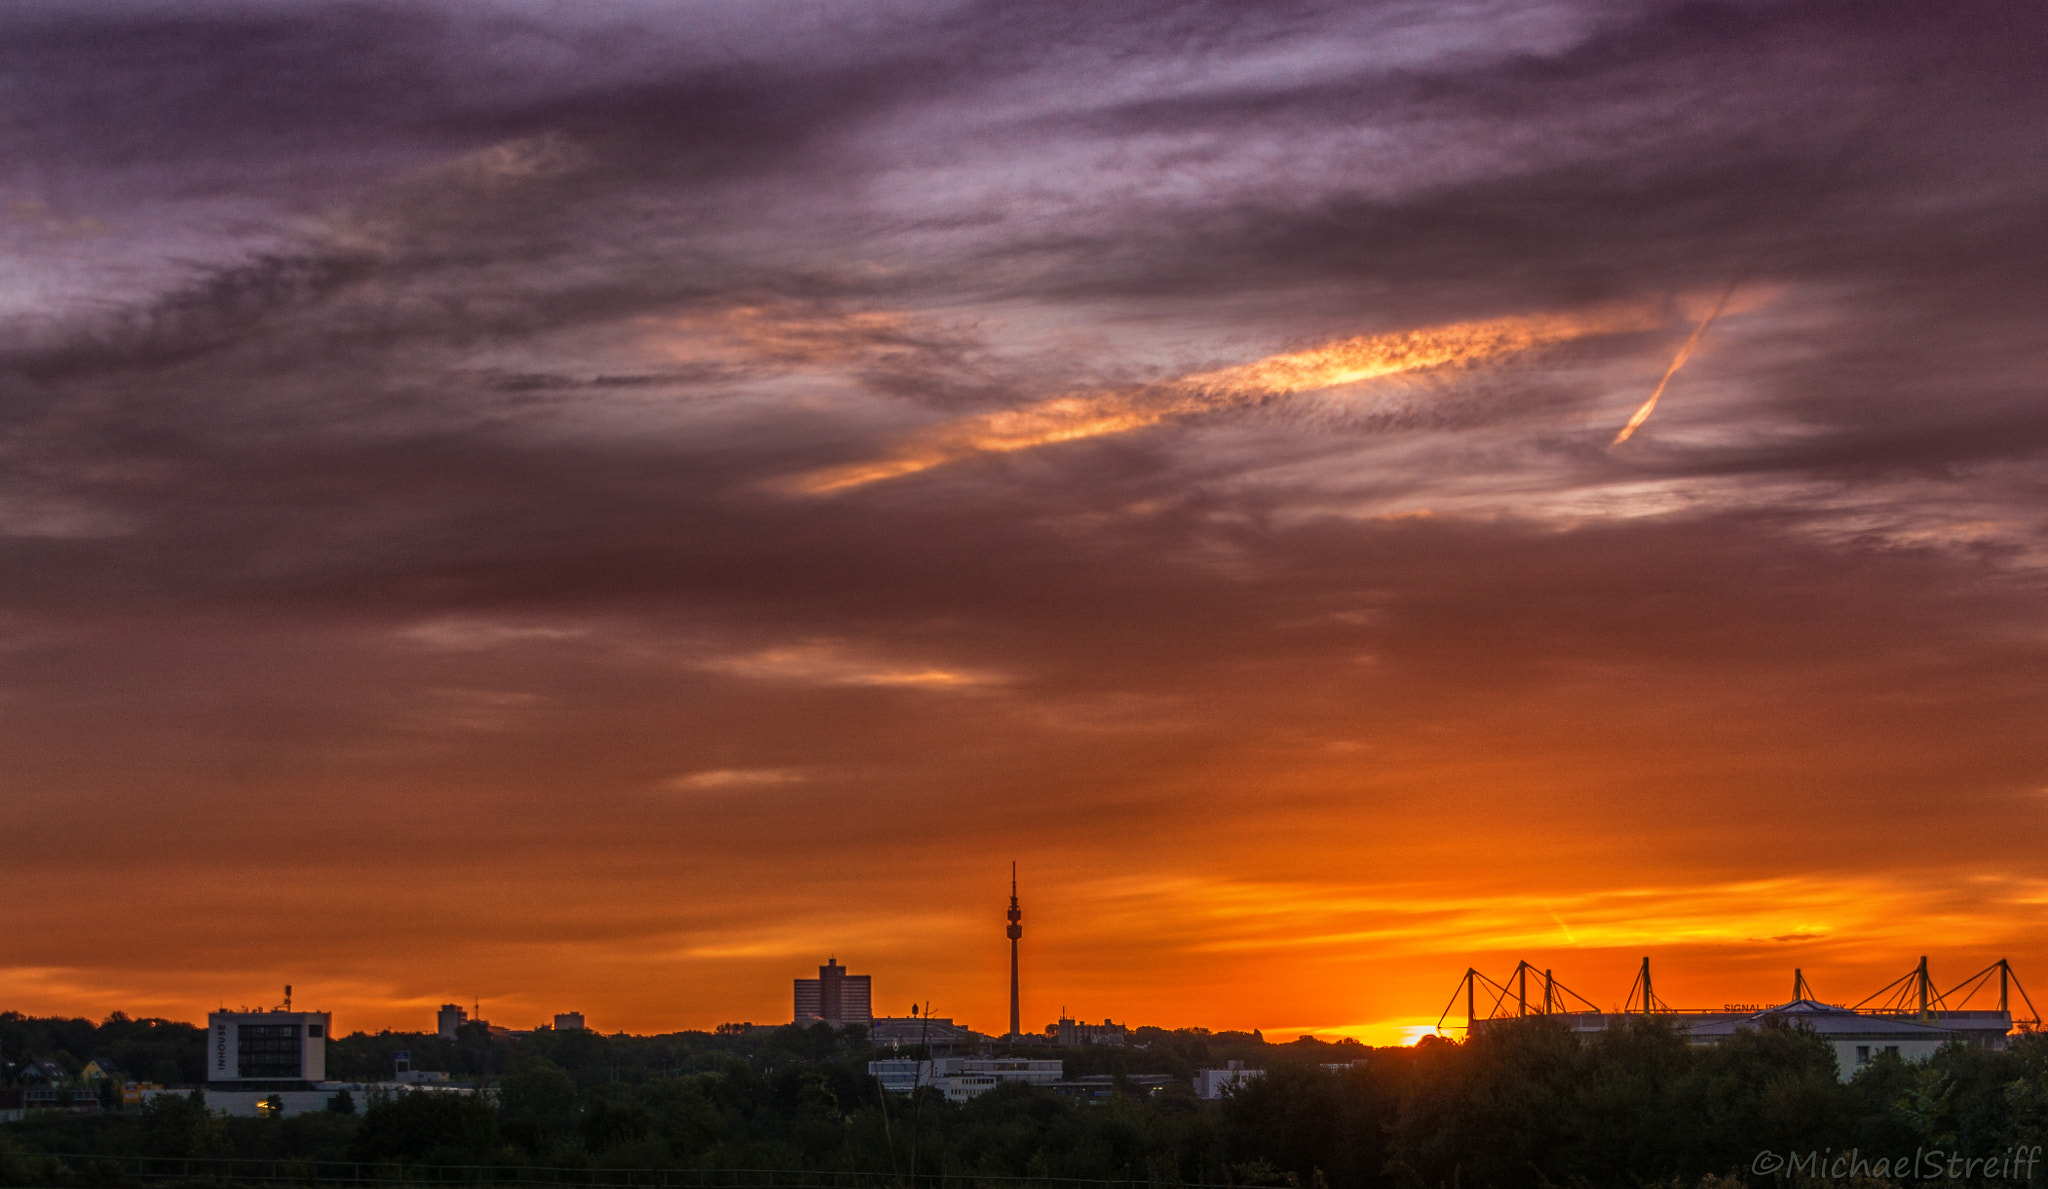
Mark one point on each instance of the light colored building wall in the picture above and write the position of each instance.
(1852, 1055)
(1215, 1083)
(962, 1078)
(1856, 1037)
(248, 1104)
(225, 1044)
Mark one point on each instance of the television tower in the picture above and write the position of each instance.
(1016, 931)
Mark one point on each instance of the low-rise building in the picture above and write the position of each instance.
(962, 1078)
(97, 1068)
(939, 1033)
(1215, 1083)
(309, 1099)
(1099, 1087)
(1074, 1033)
(1857, 1037)
(42, 1071)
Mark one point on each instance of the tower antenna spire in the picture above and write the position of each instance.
(1015, 931)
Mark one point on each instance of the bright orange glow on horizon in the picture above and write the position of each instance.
(604, 509)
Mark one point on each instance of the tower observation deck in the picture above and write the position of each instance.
(1016, 931)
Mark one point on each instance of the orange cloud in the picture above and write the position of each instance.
(1332, 365)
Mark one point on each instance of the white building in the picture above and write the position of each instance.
(283, 1104)
(1857, 1037)
(266, 1050)
(1215, 1083)
(962, 1078)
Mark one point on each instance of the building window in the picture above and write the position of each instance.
(1892, 1049)
(267, 1051)
(1862, 1054)
(313, 1030)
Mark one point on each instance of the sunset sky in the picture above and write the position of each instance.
(604, 505)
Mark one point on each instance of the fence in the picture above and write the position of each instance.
(148, 1170)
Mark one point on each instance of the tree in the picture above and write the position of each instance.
(427, 1126)
(537, 1103)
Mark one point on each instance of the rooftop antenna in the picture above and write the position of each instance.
(287, 996)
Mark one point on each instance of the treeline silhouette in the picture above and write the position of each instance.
(1526, 1105)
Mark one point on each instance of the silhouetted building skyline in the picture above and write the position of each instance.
(835, 996)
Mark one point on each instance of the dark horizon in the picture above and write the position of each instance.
(606, 506)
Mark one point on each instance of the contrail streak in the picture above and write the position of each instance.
(1677, 361)
(1346, 361)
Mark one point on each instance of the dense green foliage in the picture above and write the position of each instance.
(162, 1051)
(1526, 1106)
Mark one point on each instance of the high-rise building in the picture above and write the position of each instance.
(1016, 931)
(569, 1021)
(835, 996)
(449, 1019)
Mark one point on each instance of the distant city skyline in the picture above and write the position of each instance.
(601, 507)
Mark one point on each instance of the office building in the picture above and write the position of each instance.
(276, 1050)
(835, 996)
(569, 1021)
(450, 1018)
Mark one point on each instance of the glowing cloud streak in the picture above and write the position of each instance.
(1346, 361)
(1677, 361)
